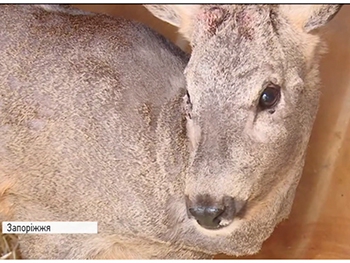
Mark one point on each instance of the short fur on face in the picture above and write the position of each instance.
(253, 155)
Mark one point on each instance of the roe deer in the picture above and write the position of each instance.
(98, 122)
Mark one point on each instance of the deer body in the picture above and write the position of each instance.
(98, 122)
(84, 100)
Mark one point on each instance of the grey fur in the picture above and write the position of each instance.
(96, 125)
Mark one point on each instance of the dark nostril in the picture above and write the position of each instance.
(207, 216)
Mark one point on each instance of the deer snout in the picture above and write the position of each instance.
(211, 214)
(207, 216)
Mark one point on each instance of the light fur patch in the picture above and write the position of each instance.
(193, 133)
(225, 231)
(299, 14)
(187, 14)
(64, 9)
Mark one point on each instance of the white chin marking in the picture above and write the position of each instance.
(227, 230)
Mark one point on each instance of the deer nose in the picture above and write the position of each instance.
(207, 216)
(211, 213)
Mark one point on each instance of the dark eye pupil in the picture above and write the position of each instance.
(269, 97)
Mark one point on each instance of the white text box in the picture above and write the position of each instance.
(49, 227)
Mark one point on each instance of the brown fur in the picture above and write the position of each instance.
(102, 119)
(232, 56)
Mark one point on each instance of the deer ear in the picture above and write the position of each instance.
(185, 17)
(309, 17)
(167, 13)
(181, 16)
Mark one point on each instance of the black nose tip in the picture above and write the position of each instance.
(207, 216)
(214, 214)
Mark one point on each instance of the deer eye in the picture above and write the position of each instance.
(270, 96)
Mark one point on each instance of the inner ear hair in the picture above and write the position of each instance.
(309, 17)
